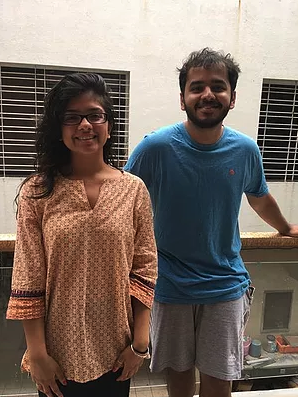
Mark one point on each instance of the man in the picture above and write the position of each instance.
(196, 173)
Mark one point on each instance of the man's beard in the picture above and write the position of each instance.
(209, 122)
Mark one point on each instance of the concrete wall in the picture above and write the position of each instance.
(150, 38)
(286, 194)
(8, 191)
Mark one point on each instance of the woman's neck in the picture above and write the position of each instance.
(88, 166)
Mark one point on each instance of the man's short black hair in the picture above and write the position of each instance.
(208, 59)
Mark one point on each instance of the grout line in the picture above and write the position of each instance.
(145, 386)
(19, 395)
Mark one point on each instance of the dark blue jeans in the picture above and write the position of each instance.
(105, 386)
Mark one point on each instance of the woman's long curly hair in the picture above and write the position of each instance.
(52, 156)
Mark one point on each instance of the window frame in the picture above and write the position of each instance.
(278, 129)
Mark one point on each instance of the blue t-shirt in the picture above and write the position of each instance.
(196, 192)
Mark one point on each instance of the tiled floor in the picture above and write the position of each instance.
(147, 384)
(144, 384)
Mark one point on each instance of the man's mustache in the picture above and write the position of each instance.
(213, 104)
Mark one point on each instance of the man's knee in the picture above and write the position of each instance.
(181, 383)
(214, 387)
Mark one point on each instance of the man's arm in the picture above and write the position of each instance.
(267, 209)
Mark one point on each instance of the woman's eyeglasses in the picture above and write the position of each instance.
(92, 118)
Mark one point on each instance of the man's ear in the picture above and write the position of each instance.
(233, 100)
(182, 105)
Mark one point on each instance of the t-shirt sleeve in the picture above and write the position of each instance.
(141, 161)
(256, 182)
(144, 267)
(27, 300)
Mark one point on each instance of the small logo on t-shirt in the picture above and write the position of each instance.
(232, 172)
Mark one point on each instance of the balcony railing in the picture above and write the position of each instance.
(272, 262)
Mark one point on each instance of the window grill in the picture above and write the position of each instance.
(21, 102)
(278, 126)
(277, 310)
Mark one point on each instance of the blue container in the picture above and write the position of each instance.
(255, 349)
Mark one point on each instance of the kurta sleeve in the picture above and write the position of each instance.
(144, 268)
(27, 300)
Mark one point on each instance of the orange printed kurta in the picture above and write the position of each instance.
(78, 267)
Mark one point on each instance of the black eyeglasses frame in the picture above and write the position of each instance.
(86, 116)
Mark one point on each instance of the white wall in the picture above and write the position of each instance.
(286, 194)
(8, 191)
(150, 38)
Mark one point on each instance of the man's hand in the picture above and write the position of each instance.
(293, 231)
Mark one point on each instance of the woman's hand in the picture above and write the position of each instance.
(130, 363)
(44, 371)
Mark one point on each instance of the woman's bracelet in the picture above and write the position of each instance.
(144, 354)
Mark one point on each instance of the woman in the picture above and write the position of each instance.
(85, 255)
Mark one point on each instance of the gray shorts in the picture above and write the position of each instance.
(209, 337)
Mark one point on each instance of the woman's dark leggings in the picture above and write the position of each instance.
(105, 386)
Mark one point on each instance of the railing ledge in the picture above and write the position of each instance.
(250, 240)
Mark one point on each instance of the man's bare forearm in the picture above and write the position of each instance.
(267, 209)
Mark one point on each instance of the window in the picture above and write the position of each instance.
(21, 102)
(278, 126)
(277, 310)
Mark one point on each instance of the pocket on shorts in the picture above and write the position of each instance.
(248, 298)
(250, 294)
